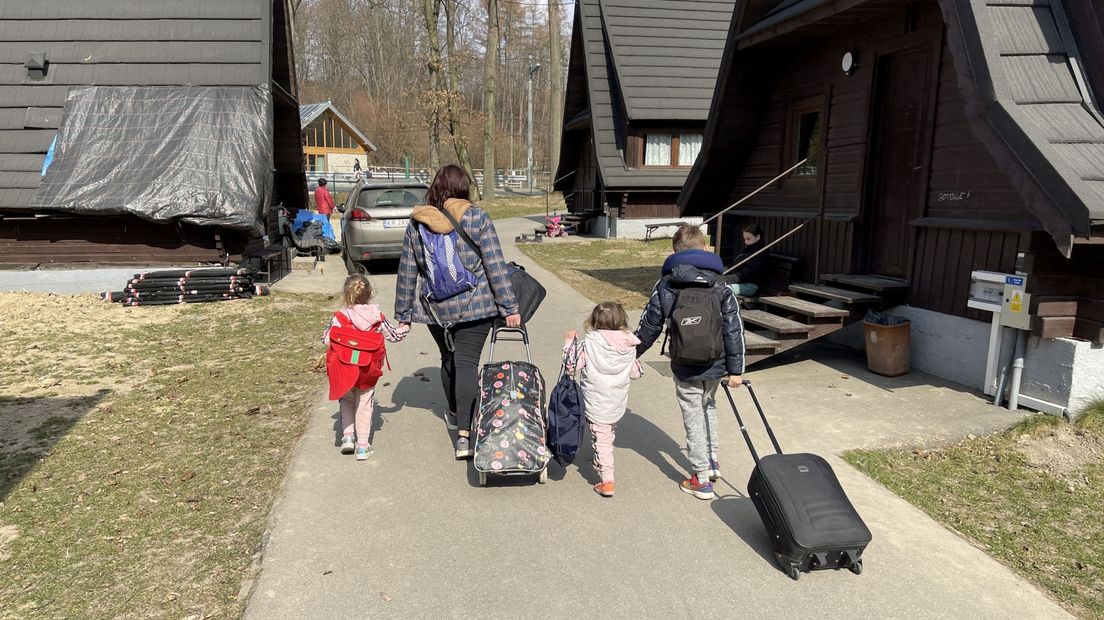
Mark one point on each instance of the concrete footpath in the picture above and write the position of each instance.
(410, 534)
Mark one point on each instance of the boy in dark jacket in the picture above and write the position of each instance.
(696, 384)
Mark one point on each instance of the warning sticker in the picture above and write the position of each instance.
(1017, 303)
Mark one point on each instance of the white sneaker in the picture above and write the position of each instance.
(347, 445)
(450, 420)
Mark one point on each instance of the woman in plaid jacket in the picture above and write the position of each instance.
(460, 324)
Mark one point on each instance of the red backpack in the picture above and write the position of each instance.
(355, 357)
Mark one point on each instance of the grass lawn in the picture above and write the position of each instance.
(509, 205)
(623, 270)
(1031, 497)
(141, 449)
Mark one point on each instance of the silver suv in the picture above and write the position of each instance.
(375, 218)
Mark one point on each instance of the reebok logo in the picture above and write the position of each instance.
(690, 320)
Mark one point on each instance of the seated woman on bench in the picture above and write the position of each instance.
(746, 280)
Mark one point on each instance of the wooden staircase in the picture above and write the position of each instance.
(774, 324)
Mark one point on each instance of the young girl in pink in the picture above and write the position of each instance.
(358, 402)
(607, 362)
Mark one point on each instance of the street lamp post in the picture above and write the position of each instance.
(533, 68)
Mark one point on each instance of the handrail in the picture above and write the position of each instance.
(761, 187)
(770, 245)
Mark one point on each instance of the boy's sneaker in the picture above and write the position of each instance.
(714, 470)
(698, 488)
(347, 445)
(605, 489)
(363, 452)
(450, 420)
(463, 448)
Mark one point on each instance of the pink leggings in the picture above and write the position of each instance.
(356, 414)
(603, 435)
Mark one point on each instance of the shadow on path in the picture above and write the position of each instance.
(640, 435)
(738, 513)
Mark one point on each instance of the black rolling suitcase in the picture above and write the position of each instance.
(812, 524)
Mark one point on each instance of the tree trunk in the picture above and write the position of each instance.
(432, 12)
(555, 75)
(456, 132)
(490, 71)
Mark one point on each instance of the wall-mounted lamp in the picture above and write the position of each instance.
(849, 62)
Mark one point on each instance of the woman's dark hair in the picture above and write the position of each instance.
(754, 229)
(450, 182)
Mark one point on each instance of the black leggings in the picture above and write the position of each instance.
(460, 366)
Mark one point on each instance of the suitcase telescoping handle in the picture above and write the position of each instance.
(763, 416)
(515, 334)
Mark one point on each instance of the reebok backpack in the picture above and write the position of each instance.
(695, 327)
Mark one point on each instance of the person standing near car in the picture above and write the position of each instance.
(459, 324)
(323, 202)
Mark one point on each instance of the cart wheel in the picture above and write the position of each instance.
(794, 572)
(857, 567)
(482, 479)
(543, 476)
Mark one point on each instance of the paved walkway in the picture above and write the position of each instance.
(410, 534)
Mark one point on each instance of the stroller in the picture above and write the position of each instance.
(553, 227)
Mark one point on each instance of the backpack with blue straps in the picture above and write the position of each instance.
(566, 411)
(446, 275)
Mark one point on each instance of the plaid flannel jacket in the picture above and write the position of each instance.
(492, 297)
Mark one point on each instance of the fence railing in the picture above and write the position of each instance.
(344, 181)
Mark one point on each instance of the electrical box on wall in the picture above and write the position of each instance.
(1016, 305)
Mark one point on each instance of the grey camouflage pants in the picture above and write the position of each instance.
(698, 401)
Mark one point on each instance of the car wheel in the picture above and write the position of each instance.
(352, 266)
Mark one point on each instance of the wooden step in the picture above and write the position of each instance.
(808, 308)
(754, 341)
(775, 323)
(879, 284)
(833, 293)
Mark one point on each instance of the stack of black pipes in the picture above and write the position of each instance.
(181, 286)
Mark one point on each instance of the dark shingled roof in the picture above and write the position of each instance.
(647, 60)
(120, 43)
(1019, 69)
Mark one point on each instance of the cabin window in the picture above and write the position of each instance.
(670, 149)
(689, 146)
(657, 149)
(807, 142)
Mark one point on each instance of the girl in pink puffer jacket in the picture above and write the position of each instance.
(607, 361)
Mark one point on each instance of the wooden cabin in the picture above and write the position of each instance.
(48, 48)
(640, 78)
(943, 136)
(331, 143)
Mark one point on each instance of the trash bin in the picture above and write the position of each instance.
(888, 347)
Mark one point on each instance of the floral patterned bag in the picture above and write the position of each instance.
(510, 424)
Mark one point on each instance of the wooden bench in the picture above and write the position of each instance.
(651, 228)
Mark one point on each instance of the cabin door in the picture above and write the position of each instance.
(897, 143)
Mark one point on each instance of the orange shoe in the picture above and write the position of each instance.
(605, 489)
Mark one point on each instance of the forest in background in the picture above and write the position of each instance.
(415, 77)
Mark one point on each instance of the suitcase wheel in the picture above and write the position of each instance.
(482, 479)
(794, 572)
(543, 476)
(857, 567)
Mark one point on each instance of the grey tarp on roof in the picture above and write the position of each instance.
(200, 154)
(311, 111)
(655, 60)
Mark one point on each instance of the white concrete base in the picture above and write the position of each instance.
(632, 228)
(70, 281)
(1061, 376)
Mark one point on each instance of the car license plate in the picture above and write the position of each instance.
(396, 223)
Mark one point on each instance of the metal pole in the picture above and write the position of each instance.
(533, 68)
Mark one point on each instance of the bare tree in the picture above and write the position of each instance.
(433, 99)
(490, 71)
(555, 76)
(455, 128)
